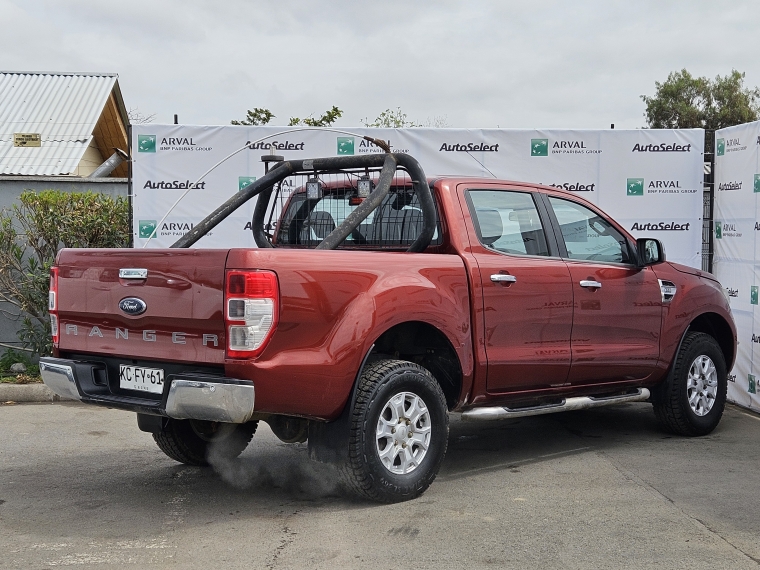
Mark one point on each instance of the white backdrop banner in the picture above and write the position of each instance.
(651, 181)
(737, 236)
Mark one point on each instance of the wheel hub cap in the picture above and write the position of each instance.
(402, 436)
(702, 385)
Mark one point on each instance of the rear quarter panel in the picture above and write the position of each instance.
(334, 305)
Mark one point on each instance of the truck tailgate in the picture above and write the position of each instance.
(183, 294)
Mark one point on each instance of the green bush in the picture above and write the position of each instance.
(32, 233)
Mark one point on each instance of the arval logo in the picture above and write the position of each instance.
(146, 143)
(147, 228)
(634, 187)
(539, 147)
(345, 145)
(132, 306)
(244, 181)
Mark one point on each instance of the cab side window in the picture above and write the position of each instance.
(587, 235)
(507, 222)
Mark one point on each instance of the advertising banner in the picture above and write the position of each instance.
(736, 239)
(649, 180)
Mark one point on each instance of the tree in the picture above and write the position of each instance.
(256, 117)
(325, 120)
(685, 102)
(391, 119)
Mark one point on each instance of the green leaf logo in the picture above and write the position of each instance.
(757, 183)
(751, 384)
(345, 145)
(634, 187)
(146, 143)
(721, 145)
(539, 147)
(147, 228)
(753, 294)
(718, 230)
(244, 181)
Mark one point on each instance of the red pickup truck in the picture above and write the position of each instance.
(377, 302)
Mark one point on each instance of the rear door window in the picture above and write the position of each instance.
(507, 221)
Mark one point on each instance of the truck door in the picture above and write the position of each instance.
(527, 293)
(618, 306)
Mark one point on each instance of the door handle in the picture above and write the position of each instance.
(591, 284)
(503, 278)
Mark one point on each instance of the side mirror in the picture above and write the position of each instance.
(651, 251)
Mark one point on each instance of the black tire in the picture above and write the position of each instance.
(671, 399)
(365, 473)
(190, 441)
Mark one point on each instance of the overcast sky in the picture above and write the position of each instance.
(508, 64)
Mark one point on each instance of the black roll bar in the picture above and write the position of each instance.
(264, 185)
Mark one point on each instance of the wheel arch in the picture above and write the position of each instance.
(426, 345)
(718, 328)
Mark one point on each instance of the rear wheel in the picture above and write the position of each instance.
(399, 429)
(191, 441)
(692, 400)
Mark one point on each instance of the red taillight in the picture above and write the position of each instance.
(53, 304)
(251, 306)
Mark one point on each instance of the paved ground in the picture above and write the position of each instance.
(82, 487)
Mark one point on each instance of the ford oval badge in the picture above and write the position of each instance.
(133, 306)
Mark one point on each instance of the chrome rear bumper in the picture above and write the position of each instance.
(191, 396)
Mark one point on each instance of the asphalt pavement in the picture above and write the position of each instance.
(83, 487)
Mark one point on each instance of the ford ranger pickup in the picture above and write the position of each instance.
(378, 301)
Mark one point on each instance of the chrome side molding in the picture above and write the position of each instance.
(579, 403)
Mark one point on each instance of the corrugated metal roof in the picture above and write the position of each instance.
(62, 107)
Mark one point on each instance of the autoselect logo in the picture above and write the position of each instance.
(244, 181)
(146, 228)
(720, 146)
(173, 185)
(469, 147)
(727, 186)
(146, 143)
(634, 187)
(661, 227)
(662, 147)
(345, 145)
(539, 147)
(574, 186)
(275, 145)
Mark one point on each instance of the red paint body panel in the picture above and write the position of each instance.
(183, 293)
(334, 305)
(541, 336)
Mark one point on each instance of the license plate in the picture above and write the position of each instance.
(141, 379)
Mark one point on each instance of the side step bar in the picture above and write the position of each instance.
(581, 403)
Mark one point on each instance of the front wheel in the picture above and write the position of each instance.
(192, 441)
(692, 400)
(399, 429)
